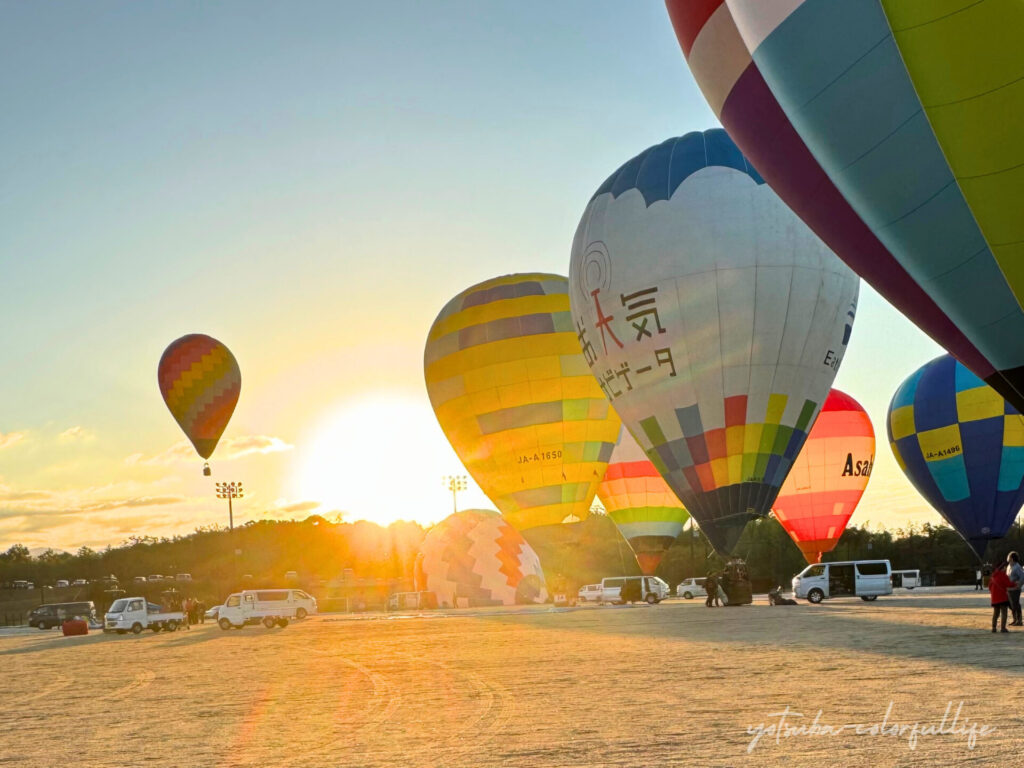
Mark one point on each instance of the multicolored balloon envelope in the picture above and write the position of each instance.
(896, 131)
(516, 399)
(714, 320)
(962, 446)
(828, 477)
(200, 382)
(475, 558)
(636, 496)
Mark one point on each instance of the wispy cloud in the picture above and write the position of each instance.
(295, 507)
(11, 438)
(74, 434)
(228, 449)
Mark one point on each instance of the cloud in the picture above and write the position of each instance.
(11, 438)
(228, 449)
(141, 501)
(74, 434)
(296, 506)
(7, 494)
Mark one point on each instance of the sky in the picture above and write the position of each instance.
(309, 183)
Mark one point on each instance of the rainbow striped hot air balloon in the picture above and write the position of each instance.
(828, 477)
(516, 399)
(962, 446)
(200, 383)
(647, 512)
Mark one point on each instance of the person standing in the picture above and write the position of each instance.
(998, 584)
(977, 578)
(711, 587)
(1015, 572)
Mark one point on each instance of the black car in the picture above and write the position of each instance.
(54, 614)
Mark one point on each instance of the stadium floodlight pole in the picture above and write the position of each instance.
(455, 483)
(230, 491)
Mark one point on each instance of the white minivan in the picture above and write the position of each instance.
(691, 588)
(269, 606)
(652, 589)
(866, 579)
(906, 579)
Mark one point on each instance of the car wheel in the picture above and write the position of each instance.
(41, 625)
(688, 595)
(268, 622)
(282, 623)
(301, 613)
(815, 596)
(172, 625)
(224, 624)
(909, 587)
(136, 628)
(652, 599)
(868, 598)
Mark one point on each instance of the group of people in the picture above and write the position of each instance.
(1004, 586)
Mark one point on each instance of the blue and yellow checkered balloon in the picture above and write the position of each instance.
(962, 446)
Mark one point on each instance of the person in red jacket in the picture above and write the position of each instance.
(997, 586)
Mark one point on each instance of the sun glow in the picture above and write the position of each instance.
(381, 459)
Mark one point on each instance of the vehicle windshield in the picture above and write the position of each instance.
(118, 605)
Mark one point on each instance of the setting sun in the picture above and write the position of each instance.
(380, 458)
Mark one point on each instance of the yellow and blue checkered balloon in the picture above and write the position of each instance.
(962, 447)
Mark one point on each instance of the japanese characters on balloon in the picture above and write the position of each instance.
(713, 319)
(896, 131)
(200, 382)
(515, 398)
(962, 447)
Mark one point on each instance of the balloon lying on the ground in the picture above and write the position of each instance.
(516, 400)
(962, 447)
(646, 511)
(200, 383)
(828, 477)
(475, 558)
(714, 320)
(896, 131)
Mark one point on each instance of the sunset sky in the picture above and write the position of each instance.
(309, 184)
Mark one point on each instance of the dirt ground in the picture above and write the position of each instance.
(672, 684)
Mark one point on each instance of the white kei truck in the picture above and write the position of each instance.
(134, 614)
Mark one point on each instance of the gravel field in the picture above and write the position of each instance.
(672, 684)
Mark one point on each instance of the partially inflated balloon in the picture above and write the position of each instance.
(896, 131)
(962, 446)
(200, 382)
(714, 320)
(647, 512)
(475, 558)
(828, 477)
(515, 398)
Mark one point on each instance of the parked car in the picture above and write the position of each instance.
(291, 576)
(691, 588)
(211, 613)
(139, 579)
(79, 583)
(54, 614)
(906, 579)
(866, 579)
(183, 577)
(590, 593)
(134, 614)
(155, 577)
(61, 583)
(250, 606)
(652, 589)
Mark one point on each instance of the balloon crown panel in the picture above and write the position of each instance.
(713, 320)
(515, 398)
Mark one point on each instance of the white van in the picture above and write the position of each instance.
(269, 606)
(866, 579)
(906, 579)
(691, 588)
(652, 589)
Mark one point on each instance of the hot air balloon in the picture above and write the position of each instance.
(714, 320)
(896, 131)
(962, 447)
(200, 382)
(647, 512)
(828, 477)
(516, 400)
(475, 558)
